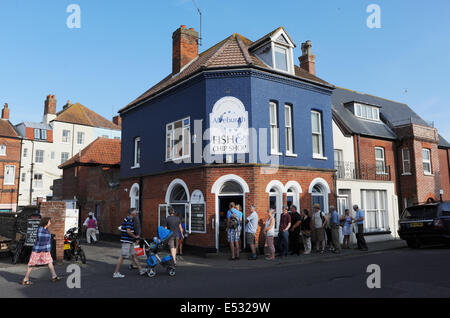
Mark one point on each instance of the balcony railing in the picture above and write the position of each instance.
(363, 171)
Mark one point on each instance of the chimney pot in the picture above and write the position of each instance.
(308, 60)
(185, 47)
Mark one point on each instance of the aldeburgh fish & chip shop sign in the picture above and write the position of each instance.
(228, 124)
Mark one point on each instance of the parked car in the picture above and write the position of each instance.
(425, 224)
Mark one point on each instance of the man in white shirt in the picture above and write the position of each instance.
(318, 222)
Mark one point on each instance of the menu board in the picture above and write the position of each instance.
(32, 229)
(198, 218)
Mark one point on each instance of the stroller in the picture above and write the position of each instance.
(152, 249)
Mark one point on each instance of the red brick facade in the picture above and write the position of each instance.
(444, 171)
(8, 193)
(96, 190)
(154, 188)
(185, 47)
(416, 186)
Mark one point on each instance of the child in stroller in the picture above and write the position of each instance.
(152, 249)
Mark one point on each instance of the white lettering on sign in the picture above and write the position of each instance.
(228, 127)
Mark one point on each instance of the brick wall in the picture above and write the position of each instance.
(95, 190)
(57, 212)
(155, 187)
(444, 166)
(8, 193)
(367, 156)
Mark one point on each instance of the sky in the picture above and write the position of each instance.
(124, 47)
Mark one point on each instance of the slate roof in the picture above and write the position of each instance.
(102, 151)
(80, 114)
(7, 129)
(231, 52)
(36, 125)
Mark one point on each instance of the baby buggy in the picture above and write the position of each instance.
(152, 249)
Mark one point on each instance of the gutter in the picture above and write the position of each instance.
(203, 69)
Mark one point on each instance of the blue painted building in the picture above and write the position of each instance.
(239, 123)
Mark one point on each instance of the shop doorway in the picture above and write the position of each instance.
(224, 206)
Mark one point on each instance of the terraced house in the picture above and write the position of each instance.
(241, 122)
(51, 142)
(386, 158)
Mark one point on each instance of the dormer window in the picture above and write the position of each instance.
(281, 56)
(276, 51)
(368, 112)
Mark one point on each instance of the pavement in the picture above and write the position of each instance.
(405, 272)
(107, 252)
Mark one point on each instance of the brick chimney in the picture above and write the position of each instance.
(117, 120)
(185, 47)
(5, 112)
(50, 105)
(308, 60)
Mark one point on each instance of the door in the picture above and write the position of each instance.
(181, 209)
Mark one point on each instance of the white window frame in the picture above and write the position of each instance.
(380, 160)
(170, 148)
(65, 139)
(289, 130)
(25, 152)
(274, 129)
(36, 156)
(39, 185)
(319, 133)
(62, 155)
(37, 133)
(80, 134)
(43, 134)
(137, 152)
(279, 48)
(363, 111)
(381, 219)
(3, 150)
(427, 161)
(408, 161)
(10, 180)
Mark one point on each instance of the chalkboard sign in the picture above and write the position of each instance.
(198, 218)
(32, 229)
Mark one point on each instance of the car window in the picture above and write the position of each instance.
(445, 208)
(420, 212)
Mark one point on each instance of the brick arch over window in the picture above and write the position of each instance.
(217, 186)
(172, 185)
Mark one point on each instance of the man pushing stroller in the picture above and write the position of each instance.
(127, 239)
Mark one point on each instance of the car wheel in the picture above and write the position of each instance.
(413, 243)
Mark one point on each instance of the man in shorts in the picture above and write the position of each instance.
(173, 223)
(127, 238)
(318, 223)
(250, 231)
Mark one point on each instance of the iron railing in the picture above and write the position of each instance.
(363, 171)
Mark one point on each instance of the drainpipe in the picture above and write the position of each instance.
(397, 176)
(20, 171)
(359, 155)
(32, 171)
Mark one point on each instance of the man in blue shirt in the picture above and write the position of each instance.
(334, 224)
(359, 220)
(234, 230)
(127, 238)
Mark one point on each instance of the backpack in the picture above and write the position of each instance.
(234, 221)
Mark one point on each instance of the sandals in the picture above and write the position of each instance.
(27, 282)
(55, 279)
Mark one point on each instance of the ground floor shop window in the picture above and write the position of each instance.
(374, 203)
